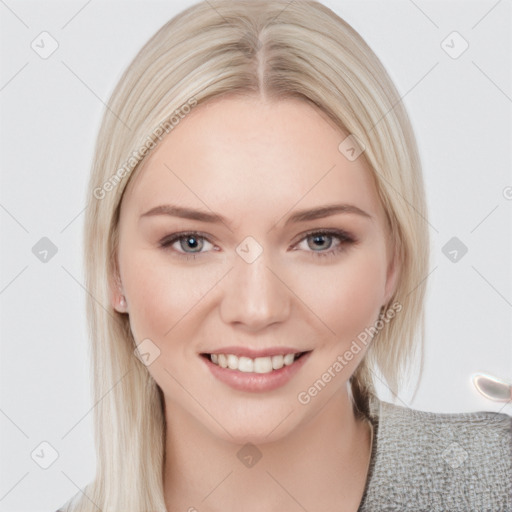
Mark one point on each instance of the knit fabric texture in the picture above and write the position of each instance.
(424, 461)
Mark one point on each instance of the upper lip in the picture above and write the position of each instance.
(254, 353)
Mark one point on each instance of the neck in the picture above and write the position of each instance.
(321, 465)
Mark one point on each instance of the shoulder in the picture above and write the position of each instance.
(460, 461)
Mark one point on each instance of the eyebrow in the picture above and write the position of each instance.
(299, 216)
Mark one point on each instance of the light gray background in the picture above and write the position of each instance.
(50, 113)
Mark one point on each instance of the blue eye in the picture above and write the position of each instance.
(321, 239)
(323, 243)
(192, 240)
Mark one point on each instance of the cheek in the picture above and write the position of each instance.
(348, 296)
(161, 294)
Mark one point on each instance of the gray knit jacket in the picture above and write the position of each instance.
(423, 461)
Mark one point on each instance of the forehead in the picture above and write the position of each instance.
(242, 155)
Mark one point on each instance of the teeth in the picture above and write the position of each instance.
(263, 365)
(288, 359)
(245, 364)
(277, 362)
(232, 362)
(257, 365)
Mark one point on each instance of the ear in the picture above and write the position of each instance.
(392, 274)
(117, 297)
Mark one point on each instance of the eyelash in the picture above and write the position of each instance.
(344, 240)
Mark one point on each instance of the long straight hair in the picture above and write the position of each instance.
(274, 49)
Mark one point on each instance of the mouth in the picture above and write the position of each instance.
(259, 365)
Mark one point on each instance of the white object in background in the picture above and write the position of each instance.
(492, 387)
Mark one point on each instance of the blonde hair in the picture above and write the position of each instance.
(275, 49)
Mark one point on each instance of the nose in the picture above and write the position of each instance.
(255, 295)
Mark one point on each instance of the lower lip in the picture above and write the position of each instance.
(256, 382)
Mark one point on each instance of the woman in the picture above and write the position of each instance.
(234, 355)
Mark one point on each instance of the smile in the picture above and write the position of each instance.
(255, 374)
(253, 365)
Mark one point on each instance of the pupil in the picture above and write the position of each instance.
(192, 242)
(319, 239)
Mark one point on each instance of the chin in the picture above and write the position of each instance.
(258, 437)
(254, 429)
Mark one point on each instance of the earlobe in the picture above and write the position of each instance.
(117, 295)
(121, 306)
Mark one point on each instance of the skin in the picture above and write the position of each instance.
(255, 163)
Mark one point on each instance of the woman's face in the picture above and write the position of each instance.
(214, 258)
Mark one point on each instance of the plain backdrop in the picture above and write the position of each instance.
(460, 106)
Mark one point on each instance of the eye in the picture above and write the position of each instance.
(326, 242)
(321, 243)
(187, 244)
